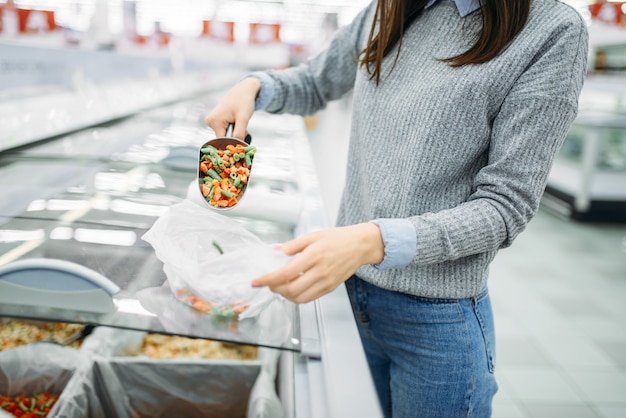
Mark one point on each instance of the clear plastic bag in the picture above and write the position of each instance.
(44, 367)
(264, 401)
(210, 260)
(132, 385)
(38, 367)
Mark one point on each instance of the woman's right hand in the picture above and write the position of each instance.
(236, 107)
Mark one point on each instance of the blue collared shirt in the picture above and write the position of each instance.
(398, 234)
(465, 7)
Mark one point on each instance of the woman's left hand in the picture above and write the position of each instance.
(325, 260)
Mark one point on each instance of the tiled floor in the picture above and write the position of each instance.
(559, 296)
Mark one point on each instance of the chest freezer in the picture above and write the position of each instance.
(71, 241)
(74, 209)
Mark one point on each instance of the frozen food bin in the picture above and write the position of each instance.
(153, 375)
(71, 221)
(35, 378)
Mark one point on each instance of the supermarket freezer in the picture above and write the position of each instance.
(81, 203)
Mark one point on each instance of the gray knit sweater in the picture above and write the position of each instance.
(463, 153)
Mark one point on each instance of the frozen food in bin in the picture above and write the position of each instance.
(17, 332)
(189, 387)
(160, 347)
(29, 371)
(32, 405)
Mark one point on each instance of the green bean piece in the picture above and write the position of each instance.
(227, 152)
(248, 160)
(22, 406)
(40, 413)
(250, 150)
(236, 157)
(33, 401)
(209, 150)
(237, 181)
(222, 312)
(216, 245)
(213, 174)
(210, 195)
(226, 193)
(216, 160)
(233, 175)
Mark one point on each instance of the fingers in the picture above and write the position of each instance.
(306, 288)
(299, 282)
(239, 131)
(284, 275)
(236, 107)
(219, 124)
(291, 270)
(324, 259)
(298, 245)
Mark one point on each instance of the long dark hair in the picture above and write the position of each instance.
(502, 20)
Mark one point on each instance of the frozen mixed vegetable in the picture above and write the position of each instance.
(224, 310)
(224, 173)
(28, 406)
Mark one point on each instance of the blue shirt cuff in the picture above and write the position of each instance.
(266, 94)
(400, 242)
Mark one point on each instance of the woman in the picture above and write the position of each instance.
(459, 108)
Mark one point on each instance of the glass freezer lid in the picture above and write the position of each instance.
(71, 251)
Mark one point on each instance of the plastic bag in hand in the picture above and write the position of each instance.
(210, 260)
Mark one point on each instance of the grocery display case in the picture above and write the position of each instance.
(588, 179)
(73, 213)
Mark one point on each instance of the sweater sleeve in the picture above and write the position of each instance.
(307, 88)
(525, 137)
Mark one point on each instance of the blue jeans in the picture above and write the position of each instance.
(428, 357)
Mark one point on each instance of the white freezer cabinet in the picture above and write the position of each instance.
(588, 178)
